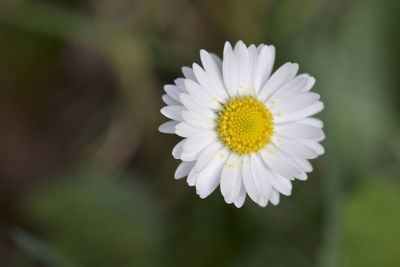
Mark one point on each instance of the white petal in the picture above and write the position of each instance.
(277, 162)
(274, 198)
(168, 127)
(302, 176)
(248, 181)
(317, 147)
(230, 70)
(281, 184)
(210, 177)
(206, 155)
(245, 76)
(231, 178)
(259, 47)
(192, 177)
(197, 121)
(173, 91)
(169, 101)
(173, 112)
(189, 156)
(198, 142)
(290, 88)
(185, 130)
(180, 83)
(196, 91)
(299, 131)
(263, 202)
(177, 150)
(183, 169)
(305, 164)
(298, 102)
(300, 114)
(207, 84)
(284, 73)
(195, 105)
(241, 197)
(188, 73)
(253, 56)
(312, 121)
(293, 147)
(263, 66)
(218, 61)
(214, 73)
(262, 177)
(310, 82)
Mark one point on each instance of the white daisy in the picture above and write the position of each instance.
(243, 129)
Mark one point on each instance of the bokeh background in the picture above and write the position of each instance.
(87, 180)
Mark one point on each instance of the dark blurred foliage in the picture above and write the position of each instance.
(86, 179)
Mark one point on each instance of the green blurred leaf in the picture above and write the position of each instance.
(370, 219)
(39, 250)
(99, 222)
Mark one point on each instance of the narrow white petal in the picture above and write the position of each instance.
(173, 112)
(310, 82)
(299, 102)
(195, 105)
(243, 63)
(180, 83)
(173, 91)
(197, 121)
(207, 84)
(169, 101)
(185, 130)
(241, 197)
(274, 198)
(299, 131)
(284, 73)
(168, 127)
(183, 169)
(248, 181)
(263, 202)
(189, 156)
(317, 147)
(196, 91)
(290, 88)
(281, 184)
(214, 73)
(210, 177)
(259, 47)
(177, 150)
(263, 67)
(231, 178)
(253, 56)
(305, 164)
(198, 142)
(188, 73)
(217, 60)
(262, 177)
(312, 121)
(192, 177)
(230, 70)
(293, 147)
(277, 181)
(206, 155)
(300, 114)
(277, 162)
(302, 176)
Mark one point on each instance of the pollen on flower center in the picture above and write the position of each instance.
(245, 125)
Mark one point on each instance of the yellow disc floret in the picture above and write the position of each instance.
(245, 125)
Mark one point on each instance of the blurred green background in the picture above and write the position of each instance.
(87, 180)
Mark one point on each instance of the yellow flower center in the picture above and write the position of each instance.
(245, 125)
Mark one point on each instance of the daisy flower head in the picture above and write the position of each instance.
(244, 128)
